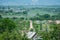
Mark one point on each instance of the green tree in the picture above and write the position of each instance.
(53, 34)
(25, 13)
(0, 16)
(7, 24)
(46, 16)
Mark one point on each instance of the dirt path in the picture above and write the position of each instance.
(31, 24)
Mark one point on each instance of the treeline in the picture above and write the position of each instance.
(46, 17)
(38, 17)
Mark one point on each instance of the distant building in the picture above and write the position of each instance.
(33, 36)
(56, 21)
(14, 10)
(50, 21)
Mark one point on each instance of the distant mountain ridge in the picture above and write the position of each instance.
(33, 6)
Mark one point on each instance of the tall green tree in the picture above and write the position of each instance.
(7, 24)
(0, 16)
(25, 13)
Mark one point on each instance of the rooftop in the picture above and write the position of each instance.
(30, 34)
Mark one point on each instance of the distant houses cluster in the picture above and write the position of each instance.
(55, 21)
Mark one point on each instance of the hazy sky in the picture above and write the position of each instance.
(29, 2)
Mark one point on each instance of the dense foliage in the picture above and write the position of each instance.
(11, 29)
(53, 34)
(8, 31)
